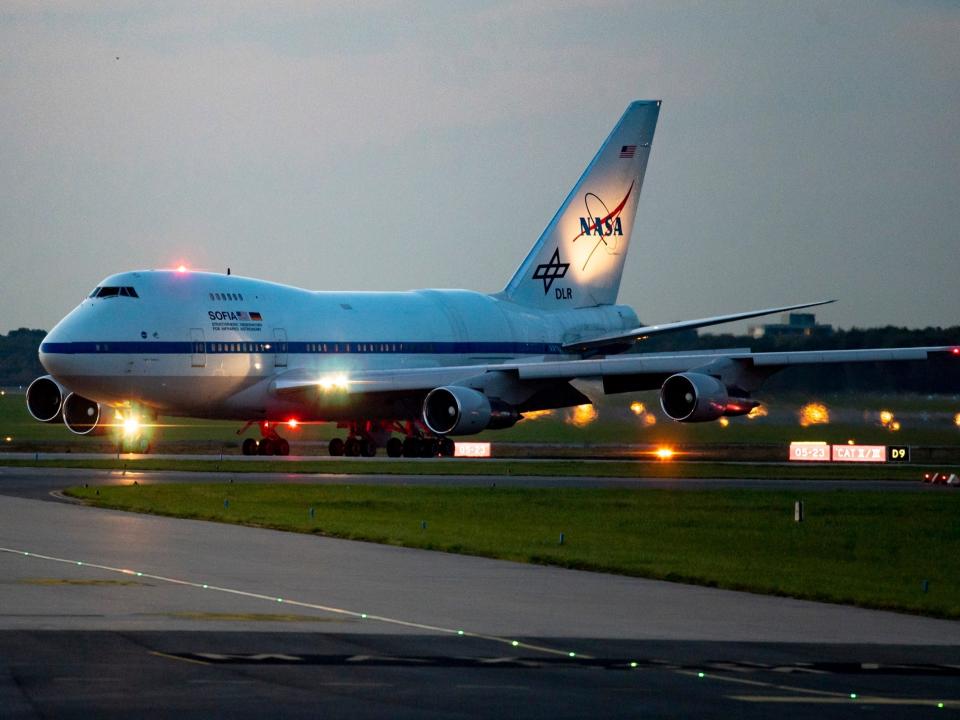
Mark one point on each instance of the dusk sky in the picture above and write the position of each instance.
(804, 151)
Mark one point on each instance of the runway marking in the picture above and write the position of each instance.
(859, 700)
(809, 695)
(300, 603)
(177, 657)
(78, 581)
(244, 617)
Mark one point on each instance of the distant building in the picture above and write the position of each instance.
(792, 325)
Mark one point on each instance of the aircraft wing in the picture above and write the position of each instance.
(619, 374)
(628, 337)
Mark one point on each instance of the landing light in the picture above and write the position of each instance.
(181, 268)
(665, 453)
(333, 382)
(131, 426)
(292, 423)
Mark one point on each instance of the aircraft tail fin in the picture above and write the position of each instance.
(578, 260)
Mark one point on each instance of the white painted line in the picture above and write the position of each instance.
(297, 603)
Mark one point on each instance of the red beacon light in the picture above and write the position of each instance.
(955, 351)
(292, 423)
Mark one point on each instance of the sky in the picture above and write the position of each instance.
(804, 150)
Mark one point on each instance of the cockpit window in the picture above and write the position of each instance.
(105, 292)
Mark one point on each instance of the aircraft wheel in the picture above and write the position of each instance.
(336, 447)
(411, 447)
(394, 447)
(368, 448)
(265, 447)
(447, 447)
(428, 448)
(249, 446)
(282, 447)
(352, 447)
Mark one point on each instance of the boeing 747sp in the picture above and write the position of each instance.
(403, 370)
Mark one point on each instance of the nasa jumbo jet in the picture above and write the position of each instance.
(427, 364)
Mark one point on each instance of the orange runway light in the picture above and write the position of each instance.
(758, 411)
(664, 453)
(536, 414)
(582, 415)
(814, 413)
(637, 408)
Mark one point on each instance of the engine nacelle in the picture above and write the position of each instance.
(45, 399)
(81, 415)
(455, 410)
(695, 397)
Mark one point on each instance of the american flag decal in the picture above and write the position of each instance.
(627, 151)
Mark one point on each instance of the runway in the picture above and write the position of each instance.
(39, 482)
(113, 613)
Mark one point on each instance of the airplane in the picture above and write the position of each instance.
(407, 371)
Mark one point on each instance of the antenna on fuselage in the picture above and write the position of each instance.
(228, 271)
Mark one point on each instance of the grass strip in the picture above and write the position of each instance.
(540, 468)
(898, 551)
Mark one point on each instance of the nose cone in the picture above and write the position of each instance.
(57, 348)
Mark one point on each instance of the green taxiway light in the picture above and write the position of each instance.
(633, 664)
(459, 632)
(700, 675)
(514, 643)
(853, 696)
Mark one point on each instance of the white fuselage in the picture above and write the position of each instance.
(203, 344)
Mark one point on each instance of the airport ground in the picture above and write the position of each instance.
(110, 613)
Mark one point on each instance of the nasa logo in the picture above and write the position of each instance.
(599, 226)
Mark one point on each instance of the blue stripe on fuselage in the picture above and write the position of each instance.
(308, 348)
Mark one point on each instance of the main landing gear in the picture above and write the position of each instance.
(269, 444)
(361, 442)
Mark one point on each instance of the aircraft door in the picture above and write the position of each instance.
(198, 348)
(280, 348)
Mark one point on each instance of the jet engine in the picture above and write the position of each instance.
(81, 415)
(695, 397)
(455, 410)
(45, 399)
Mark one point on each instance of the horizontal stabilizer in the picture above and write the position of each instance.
(636, 334)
